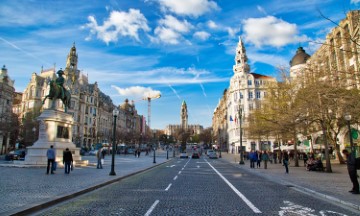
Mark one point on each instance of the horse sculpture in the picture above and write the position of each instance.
(55, 93)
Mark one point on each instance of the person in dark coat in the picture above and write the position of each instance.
(67, 160)
(286, 161)
(351, 166)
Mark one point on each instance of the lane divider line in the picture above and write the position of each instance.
(168, 187)
(179, 172)
(247, 202)
(152, 208)
(175, 177)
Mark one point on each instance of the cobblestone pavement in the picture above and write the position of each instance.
(331, 186)
(25, 188)
(28, 187)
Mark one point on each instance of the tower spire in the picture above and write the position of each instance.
(241, 65)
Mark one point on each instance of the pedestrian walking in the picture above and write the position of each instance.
(50, 153)
(258, 159)
(351, 167)
(286, 161)
(138, 153)
(305, 158)
(67, 160)
(253, 157)
(265, 157)
(99, 158)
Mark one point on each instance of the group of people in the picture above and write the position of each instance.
(257, 157)
(67, 160)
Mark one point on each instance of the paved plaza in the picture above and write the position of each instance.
(25, 188)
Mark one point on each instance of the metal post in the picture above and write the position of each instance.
(112, 172)
(241, 147)
(167, 152)
(154, 148)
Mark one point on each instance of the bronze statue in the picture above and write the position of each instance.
(57, 91)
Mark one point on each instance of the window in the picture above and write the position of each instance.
(251, 95)
(257, 83)
(241, 96)
(258, 95)
(249, 82)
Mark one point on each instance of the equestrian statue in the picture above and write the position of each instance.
(57, 91)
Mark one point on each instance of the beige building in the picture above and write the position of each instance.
(337, 61)
(220, 124)
(7, 94)
(91, 109)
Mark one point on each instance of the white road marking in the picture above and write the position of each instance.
(198, 166)
(168, 187)
(179, 172)
(175, 177)
(252, 206)
(151, 208)
(170, 166)
(293, 208)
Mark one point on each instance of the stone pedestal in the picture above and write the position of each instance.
(55, 129)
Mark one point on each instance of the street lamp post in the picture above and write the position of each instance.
(241, 147)
(348, 119)
(154, 148)
(115, 114)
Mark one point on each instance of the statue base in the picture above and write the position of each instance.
(55, 129)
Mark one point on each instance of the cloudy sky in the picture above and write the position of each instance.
(182, 49)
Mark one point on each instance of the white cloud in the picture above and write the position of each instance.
(166, 35)
(355, 1)
(175, 24)
(271, 31)
(160, 76)
(194, 8)
(232, 31)
(170, 30)
(261, 9)
(202, 35)
(119, 23)
(211, 24)
(137, 91)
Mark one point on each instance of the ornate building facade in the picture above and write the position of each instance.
(245, 92)
(90, 108)
(7, 95)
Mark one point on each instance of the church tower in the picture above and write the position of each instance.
(71, 71)
(241, 65)
(184, 116)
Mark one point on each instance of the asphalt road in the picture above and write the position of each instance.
(196, 187)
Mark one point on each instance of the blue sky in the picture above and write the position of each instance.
(183, 49)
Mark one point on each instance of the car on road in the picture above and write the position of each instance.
(213, 155)
(195, 155)
(183, 155)
(209, 151)
(18, 154)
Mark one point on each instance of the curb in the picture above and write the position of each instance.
(32, 208)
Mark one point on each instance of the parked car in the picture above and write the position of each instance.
(195, 155)
(18, 154)
(213, 155)
(183, 155)
(209, 151)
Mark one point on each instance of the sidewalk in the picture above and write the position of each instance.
(331, 186)
(26, 189)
